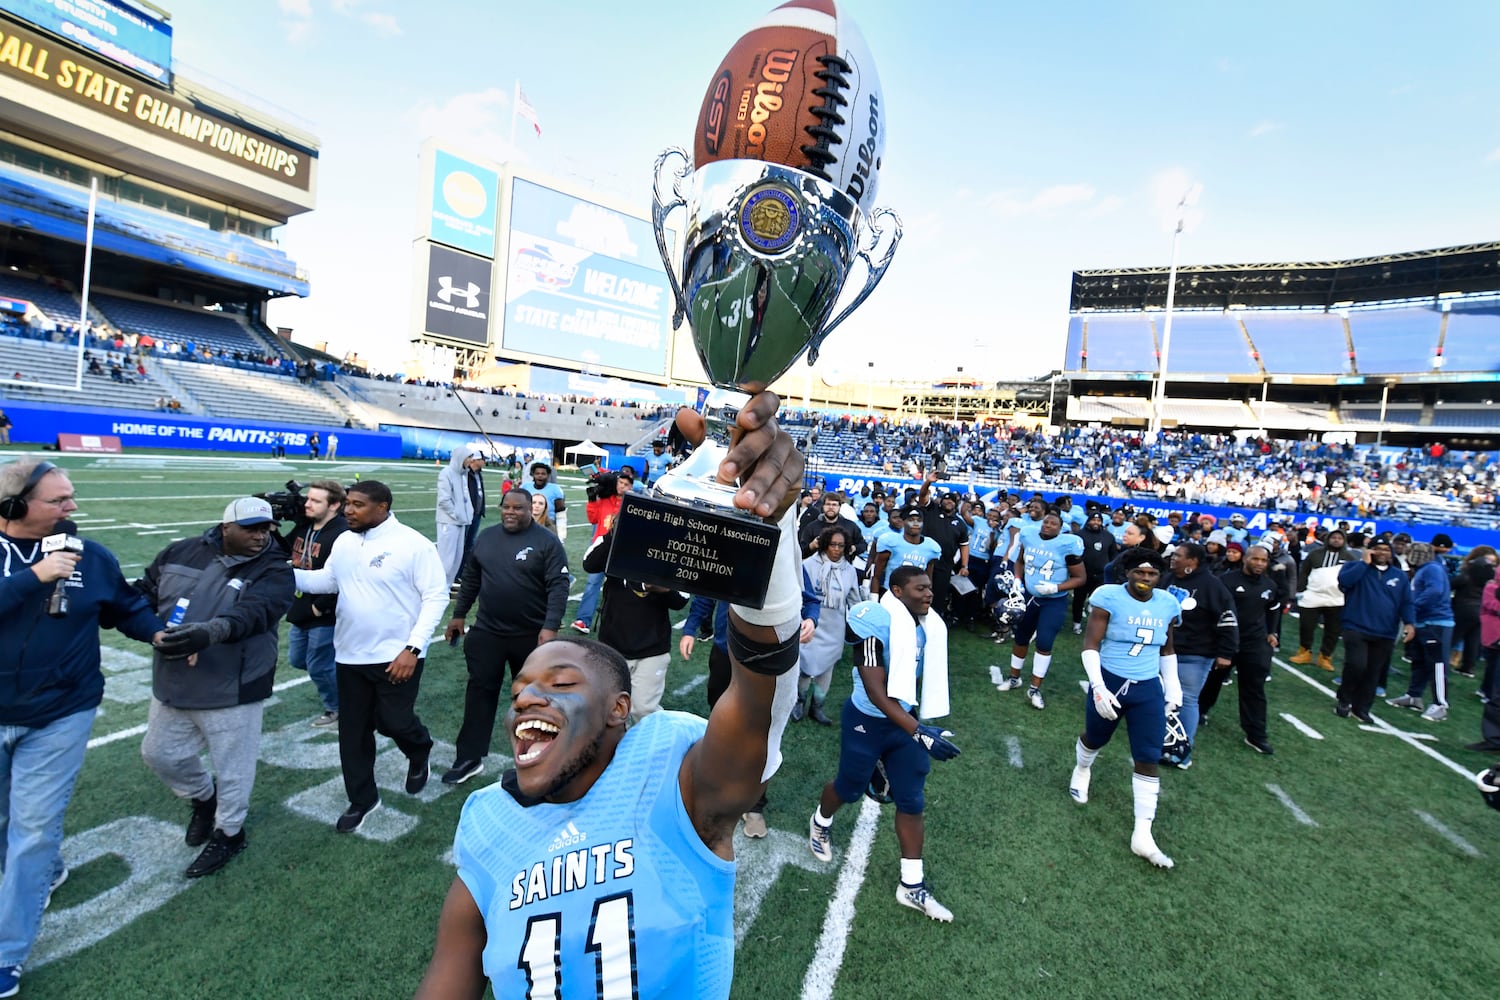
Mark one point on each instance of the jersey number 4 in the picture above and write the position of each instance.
(1145, 635)
(611, 939)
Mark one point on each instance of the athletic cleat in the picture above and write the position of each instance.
(1078, 785)
(353, 818)
(1259, 746)
(819, 839)
(1143, 845)
(1342, 711)
(1034, 695)
(1435, 713)
(919, 898)
(755, 825)
(1405, 701)
(1010, 683)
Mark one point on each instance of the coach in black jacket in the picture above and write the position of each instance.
(1209, 635)
(1258, 599)
(213, 671)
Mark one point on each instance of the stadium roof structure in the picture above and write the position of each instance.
(1419, 274)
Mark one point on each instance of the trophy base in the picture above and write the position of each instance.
(696, 546)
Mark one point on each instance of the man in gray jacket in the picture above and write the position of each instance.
(222, 594)
(460, 505)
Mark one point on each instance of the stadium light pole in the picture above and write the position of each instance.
(88, 266)
(955, 392)
(1158, 397)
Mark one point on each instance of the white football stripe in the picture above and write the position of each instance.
(1448, 835)
(1301, 726)
(1297, 813)
(799, 17)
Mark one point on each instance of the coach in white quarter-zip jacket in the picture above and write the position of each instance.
(392, 594)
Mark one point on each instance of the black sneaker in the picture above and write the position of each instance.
(1364, 716)
(1259, 746)
(220, 851)
(1342, 711)
(354, 817)
(201, 824)
(417, 773)
(462, 771)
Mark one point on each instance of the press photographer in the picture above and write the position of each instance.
(603, 490)
(51, 686)
(317, 520)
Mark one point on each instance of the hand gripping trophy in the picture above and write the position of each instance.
(779, 194)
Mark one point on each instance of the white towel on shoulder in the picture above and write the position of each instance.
(901, 683)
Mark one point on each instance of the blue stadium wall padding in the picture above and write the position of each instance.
(41, 423)
(1256, 518)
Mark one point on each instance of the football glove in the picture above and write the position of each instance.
(184, 640)
(1105, 703)
(935, 741)
(1044, 589)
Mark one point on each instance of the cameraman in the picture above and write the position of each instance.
(317, 521)
(604, 491)
(50, 687)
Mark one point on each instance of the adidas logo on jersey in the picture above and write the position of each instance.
(566, 837)
(859, 728)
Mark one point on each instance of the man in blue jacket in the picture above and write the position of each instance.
(50, 688)
(1377, 604)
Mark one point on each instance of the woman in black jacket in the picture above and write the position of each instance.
(1477, 569)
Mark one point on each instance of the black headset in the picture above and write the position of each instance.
(14, 508)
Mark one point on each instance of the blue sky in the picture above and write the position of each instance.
(1025, 140)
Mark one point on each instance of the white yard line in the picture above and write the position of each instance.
(689, 685)
(1385, 726)
(1448, 835)
(1292, 807)
(1013, 748)
(1301, 726)
(823, 973)
(1392, 731)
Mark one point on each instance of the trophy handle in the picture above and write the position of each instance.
(875, 270)
(661, 208)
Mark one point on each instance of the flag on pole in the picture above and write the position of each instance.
(526, 111)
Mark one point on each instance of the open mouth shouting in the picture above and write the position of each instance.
(532, 739)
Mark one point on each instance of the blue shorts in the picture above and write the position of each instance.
(878, 738)
(1144, 711)
(1044, 618)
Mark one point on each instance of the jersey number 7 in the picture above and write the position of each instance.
(611, 939)
(1145, 635)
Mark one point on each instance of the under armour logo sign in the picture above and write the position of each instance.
(447, 290)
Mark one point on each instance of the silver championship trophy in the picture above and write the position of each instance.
(766, 254)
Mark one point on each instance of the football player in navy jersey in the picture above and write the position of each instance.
(1132, 671)
(1049, 564)
(602, 864)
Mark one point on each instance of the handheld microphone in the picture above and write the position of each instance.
(63, 539)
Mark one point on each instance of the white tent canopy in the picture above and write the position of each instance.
(586, 449)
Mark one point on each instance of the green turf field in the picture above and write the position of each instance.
(1382, 882)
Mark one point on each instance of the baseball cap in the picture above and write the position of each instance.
(247, 511)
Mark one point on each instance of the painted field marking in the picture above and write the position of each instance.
(138, 525)
(1429, 737)
(1385, 726)
(823, 973)
(1448, 835)
(1292, 807)
(1301, 726)
(689, 685)
(760, 863)
(1013, 748)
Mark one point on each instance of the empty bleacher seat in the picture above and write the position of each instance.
(1207, 343)
(1471, 342)
(226, 391)
(176, 323)
(57, 305)
(1394, 341)
(1115, 343)
(1298, 343)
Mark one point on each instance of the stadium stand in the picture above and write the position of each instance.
(180, 324)
(1394, 341)
(56, 304)
(1112, 343)
(1207, 343)
(1298, 343)
(232, 392)
(40, 361)
(1471, 340)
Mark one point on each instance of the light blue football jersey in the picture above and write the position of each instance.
(1137, 630)
(612, 896)
(904, 553)
(980, 536)
(1047, 558)
(870, 620)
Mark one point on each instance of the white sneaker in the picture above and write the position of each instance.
(1010, 683)
(919, 898)
(57, 881)
(1435, 713)
(1034, 695)
(325, 720)
(819, 839)
(1142, 844)
(755, 825)
(1078, 785)
(1078, 628)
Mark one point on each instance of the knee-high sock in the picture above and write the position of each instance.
(1147, 790)
(1084, 755)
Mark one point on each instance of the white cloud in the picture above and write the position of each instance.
(1494, 156)
(1104, 206)
(1013, 203)
(296, 8)
(385, 24)
(1264, 128)
(478, 121)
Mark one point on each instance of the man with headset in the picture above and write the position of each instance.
(50, 687)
